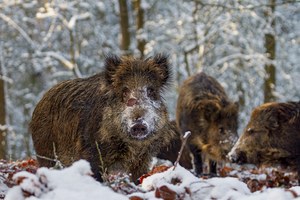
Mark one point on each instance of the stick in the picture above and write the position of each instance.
(185, 137)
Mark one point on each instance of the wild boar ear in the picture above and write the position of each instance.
(164, 68)
(112, 63)
(211, 109)
(237, 105)
(273, 122)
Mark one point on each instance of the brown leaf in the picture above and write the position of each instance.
(254, 185)
(20, 179)
(225, 171)
(165, 193)
(135, 198)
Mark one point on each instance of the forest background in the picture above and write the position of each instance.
(250, 46)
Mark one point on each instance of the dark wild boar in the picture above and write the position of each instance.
(272, 136)
(121, 109)
(204, 109)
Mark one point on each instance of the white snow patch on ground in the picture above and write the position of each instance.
(73, 183)
(76, 183)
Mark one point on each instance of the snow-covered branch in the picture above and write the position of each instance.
(66, 63)
(60, 58)
(72, 21)
(69, 24)
(248, 7)
(19, 29)
(237, 56)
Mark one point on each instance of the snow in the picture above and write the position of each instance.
(271, 194)
(214, 188)
(75, 182)
(159, 179)
(187, 134)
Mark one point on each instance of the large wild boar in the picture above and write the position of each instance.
(272, 136)
(120, 109)
(204, 109)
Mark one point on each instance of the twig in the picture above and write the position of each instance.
(103, 170)
(248, 7)
(58, 163)
(185, 137)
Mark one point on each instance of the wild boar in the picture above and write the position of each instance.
(272, 136)
(204, 109)
(120, 110)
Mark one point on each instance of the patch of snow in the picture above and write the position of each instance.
(213, 188)
(166, 177)
(270, 194)
(73, 183)
(76, 183)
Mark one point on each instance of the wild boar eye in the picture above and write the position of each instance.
(221, 130)
(125, 93)
(250, 131)
(150, 92)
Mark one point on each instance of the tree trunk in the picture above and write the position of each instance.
(124, 25)
(270, 69)
(141, 42)
(239, 86)
(2, 116)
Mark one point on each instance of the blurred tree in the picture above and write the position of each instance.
(139, 11)
(2, 115)
(270, 45)
(124, 25)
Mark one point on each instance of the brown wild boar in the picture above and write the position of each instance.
(120, 109)
(272, 136)
(204, 109)
(170, 152)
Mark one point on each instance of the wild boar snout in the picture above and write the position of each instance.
(139, 129)
(237, 156)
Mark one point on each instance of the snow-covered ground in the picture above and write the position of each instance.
(75, 182)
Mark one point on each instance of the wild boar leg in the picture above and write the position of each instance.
(298, 169)
(212, 168)
(197, 159)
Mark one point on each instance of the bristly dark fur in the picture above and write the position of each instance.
(162, 60)
(153, 67)
(111, 63)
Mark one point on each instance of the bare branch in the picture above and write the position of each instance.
(237, 56)
(185, 137)
(58, 163)
(104, 174)
(249, 7)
